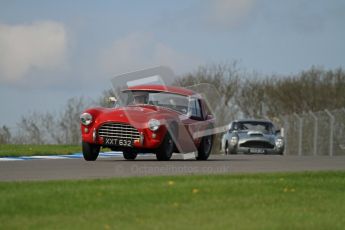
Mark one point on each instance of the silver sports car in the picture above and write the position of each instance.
(252, 136)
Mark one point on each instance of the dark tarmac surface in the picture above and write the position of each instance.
(66, 169)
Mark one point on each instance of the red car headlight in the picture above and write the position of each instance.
(154, 124)
(86, 119)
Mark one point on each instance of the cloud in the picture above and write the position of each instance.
(228, 12)
(141, 50)
(40, 45)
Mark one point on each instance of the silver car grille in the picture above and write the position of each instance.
(257, 144)
(118, 130)
(256, 135)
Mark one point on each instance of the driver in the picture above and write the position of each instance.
(140, 98)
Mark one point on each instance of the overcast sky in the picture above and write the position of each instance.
(53, 50)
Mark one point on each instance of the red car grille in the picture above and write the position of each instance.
(118, 130)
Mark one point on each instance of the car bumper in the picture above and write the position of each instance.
(247, 150)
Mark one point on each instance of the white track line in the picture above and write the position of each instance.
(56, 157)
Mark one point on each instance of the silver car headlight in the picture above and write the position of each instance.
(279, 143)
(154, 124)
(86, 118)
(233, 140)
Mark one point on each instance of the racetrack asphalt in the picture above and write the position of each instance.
(65, 169)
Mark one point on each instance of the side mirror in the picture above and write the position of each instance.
(277, 132)
(189, 114)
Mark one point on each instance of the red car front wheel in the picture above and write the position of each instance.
(129, 155)
(90, 151)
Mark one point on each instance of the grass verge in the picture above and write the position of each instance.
(9, 150)
(256, 201)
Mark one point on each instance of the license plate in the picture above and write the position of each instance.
(256, 150)
(118, 142)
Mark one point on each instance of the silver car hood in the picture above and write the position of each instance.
(255, 136)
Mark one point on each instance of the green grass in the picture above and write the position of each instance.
(9, 150)
(255, 201)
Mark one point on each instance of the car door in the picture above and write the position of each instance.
(197, 119)
(194, 125)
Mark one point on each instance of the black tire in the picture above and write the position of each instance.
(90, 151)
(226, 148)
(233, 152)
(166, 149)
(129, 155)
(281, 152)
(205, 148)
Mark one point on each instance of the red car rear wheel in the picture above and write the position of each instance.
(165, 150)
(205, 148)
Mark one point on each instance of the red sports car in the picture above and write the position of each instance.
(150, 118)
